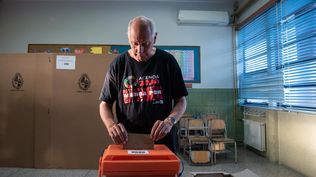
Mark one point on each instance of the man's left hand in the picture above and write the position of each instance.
(160, 129)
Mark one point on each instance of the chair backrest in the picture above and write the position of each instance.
(196, 123)
(217, 128)
(183, 122)
(183, 126)
(197, 127)
(208, 117)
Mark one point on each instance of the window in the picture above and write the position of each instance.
(259, 69)
(276, 55)
(298, 48)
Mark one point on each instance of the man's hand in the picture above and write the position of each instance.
(160, 129)
(118, 133)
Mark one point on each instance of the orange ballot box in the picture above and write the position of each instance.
(157, 162)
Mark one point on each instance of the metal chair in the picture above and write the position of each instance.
(219, 138)
(183, 134)
(198, 135)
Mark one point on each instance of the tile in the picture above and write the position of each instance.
(28, 172)
(247, 160)
(245, 173)
(6, 171)
(92, 173)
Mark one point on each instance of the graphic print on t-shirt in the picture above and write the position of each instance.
(143, 89)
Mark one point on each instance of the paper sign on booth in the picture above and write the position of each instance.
(66, 62)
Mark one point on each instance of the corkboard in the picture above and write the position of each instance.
(70, 48)
(188, 57)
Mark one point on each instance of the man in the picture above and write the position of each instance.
(144, 82)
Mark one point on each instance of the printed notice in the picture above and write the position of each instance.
(137, 152)
(66, 62)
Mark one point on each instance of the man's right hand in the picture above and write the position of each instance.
(118, 133)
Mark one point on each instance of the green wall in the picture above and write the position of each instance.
(217, 101)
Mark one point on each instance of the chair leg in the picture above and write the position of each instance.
(235, 152)
(214, 157)
(211, 152)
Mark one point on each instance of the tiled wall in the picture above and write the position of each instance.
(216, 101)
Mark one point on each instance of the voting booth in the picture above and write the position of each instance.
(49, 110)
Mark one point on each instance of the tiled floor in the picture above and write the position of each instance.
(246, 160)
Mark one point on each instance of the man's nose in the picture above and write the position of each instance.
(140, 48)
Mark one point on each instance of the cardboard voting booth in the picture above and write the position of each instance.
(157, 162)
(49, 110)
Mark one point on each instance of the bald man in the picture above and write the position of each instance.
(148, 88)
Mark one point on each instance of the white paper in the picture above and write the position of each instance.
(66, 62)
(137, 152)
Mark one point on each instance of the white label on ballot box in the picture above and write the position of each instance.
(137, 152)
(66, 62)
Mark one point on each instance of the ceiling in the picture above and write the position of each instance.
(232, 3)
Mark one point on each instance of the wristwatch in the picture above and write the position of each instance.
(173, 120)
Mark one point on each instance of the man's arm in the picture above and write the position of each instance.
(179, 108)
(116, 131)
(162, 128)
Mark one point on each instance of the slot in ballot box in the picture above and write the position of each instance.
(157, 162)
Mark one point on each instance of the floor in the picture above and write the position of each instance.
(246, 160)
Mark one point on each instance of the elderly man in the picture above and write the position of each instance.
(148, 88)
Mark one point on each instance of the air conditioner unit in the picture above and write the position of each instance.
(203, 17)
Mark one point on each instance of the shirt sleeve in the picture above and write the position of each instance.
(109, 90)
(178, 87)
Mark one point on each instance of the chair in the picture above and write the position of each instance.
(198, 136)
(183, 133)
(183, 125)
(208, 117)
(219, 138)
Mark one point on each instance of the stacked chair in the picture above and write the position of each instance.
(201, 140)
(194, 140)
(219, 140)
(183, 134)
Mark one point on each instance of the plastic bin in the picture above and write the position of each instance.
(119, 162)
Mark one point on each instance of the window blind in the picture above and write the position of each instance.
(276, 57)
(259, 70)
(298, 48)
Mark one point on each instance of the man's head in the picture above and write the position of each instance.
(141, 37)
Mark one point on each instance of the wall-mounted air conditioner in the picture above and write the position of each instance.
(203, 17)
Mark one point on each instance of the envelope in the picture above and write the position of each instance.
(139, 142)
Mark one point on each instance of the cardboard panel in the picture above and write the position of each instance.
(17, 110)
(49, 118)
(77, 133)
(42, 104)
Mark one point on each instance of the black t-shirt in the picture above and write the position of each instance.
(144, 91)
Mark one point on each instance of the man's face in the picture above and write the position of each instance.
(141, 41)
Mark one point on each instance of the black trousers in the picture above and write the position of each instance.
(170, 140)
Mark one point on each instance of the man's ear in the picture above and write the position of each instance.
(155, 37)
